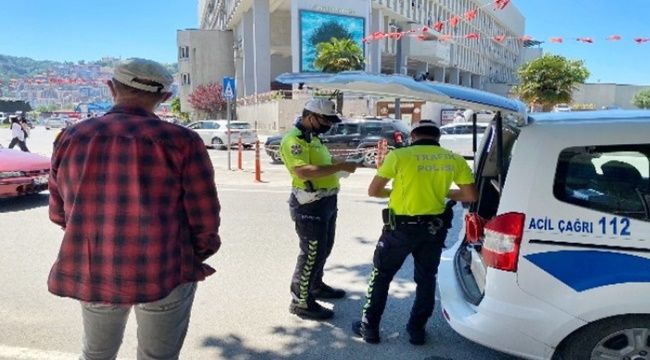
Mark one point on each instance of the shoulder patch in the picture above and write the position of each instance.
(296, 149)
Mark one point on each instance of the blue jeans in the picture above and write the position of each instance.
(162, 326)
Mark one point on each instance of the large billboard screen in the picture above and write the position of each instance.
(317, 27)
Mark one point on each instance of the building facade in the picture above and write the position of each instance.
(271, 37)
(204, 56)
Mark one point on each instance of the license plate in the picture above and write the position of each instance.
(40, 180)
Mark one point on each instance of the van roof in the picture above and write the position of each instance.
(401, 86)
(602, 116)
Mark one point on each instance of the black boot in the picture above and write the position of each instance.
(327, 292)
(312, 310)
(368, 333)
(417, 335)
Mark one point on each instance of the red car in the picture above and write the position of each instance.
(22, 173)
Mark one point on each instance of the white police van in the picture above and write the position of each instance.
(558, 263)
(554, 257)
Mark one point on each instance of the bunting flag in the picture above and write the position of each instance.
(425, 34)
(470, 15)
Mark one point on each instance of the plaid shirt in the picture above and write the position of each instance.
(137, 199)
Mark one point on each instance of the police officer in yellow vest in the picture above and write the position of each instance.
(416, 223)
(313, 205)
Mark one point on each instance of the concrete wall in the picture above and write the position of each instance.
(607, 95)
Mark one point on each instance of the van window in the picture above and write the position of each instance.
(612, 179)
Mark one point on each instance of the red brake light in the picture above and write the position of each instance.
(502, 240)
(474, 227)
(397, 136)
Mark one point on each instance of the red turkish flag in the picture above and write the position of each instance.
(454, 21)
(471, 36)
(614, 38)
(585, 40)
(641, 40)
(501, 4)
(499, 38)
(378, 35)
(557, 40)
(425, 29)
(470, 15)
(438, 26)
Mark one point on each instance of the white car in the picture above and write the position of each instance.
(56, 123)
(458, 137)
(554, 258)
(215, 133)
(562, 108)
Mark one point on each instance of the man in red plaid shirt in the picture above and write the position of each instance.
(137, 200)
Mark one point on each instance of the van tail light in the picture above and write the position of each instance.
(397, 136)
(502, 238)
(474, 226)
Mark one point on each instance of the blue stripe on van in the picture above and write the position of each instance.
(585, 270)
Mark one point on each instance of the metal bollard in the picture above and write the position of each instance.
(240, 149)
(258, 168)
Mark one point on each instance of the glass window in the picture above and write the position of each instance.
(372, 128)
(209, 125)
(612, 179)
(240, 126)
(346, 129)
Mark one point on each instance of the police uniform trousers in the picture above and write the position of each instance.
(392, 249)
(315, 226)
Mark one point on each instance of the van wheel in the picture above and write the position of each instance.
(623, 337)
(370, 157)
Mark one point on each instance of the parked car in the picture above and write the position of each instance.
(22, 173)
(355, 139)
(55, 123)
(215, 133)
(562, 108)
(458, 137)
(4, 118)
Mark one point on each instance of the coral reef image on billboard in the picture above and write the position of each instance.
(317, 27)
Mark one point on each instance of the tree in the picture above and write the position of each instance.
(208, 98)
(642, 99)
(327, 31)
(176, 109)
(550, 80)
(339, 55)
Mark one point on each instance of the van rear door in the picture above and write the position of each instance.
(491, 169)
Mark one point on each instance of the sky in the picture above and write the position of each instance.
(75, 30)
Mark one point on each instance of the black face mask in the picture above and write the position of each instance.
(321, 129)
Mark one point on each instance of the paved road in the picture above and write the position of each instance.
(241, 311)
